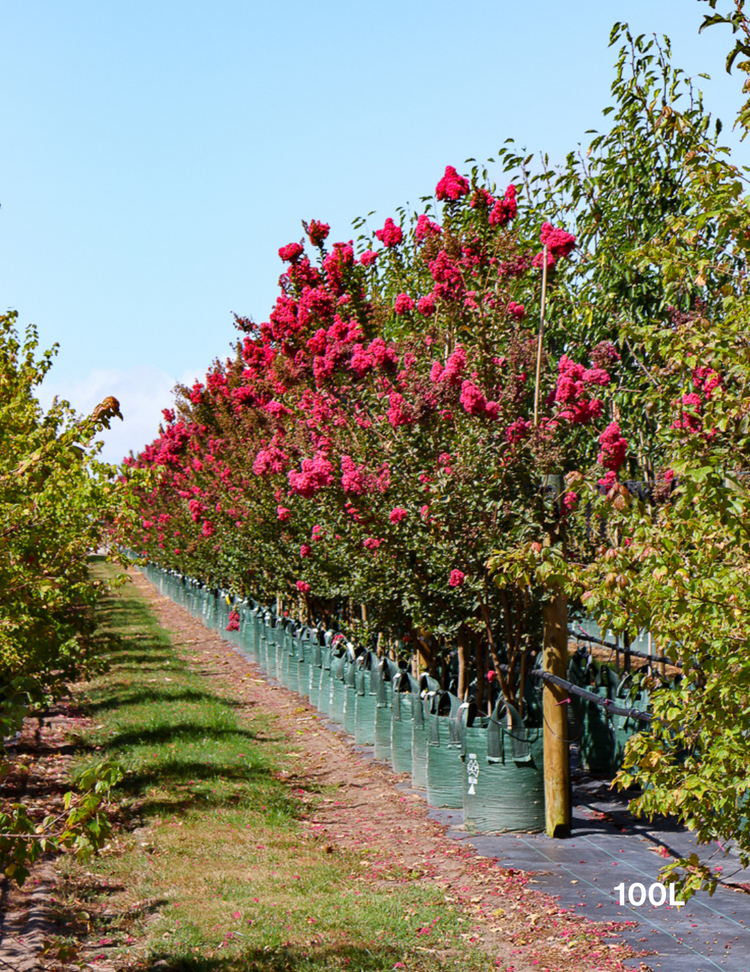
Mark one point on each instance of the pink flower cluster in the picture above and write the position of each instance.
(572, 391)
(474, 403)
(234, 621)
(452, 186)
(706, 380)
(518, 431)
(456, 578)
(425, 228)
(291, 252)
(303, 587)
(390, 235)
(426, 305)
(504, 209)
(559, 243)
(614, 448)
(454, 368)
(315, 475)
(397, 514)
(403, 304)
(318, 232)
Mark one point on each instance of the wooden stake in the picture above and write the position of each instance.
(541, 336)
(556, 744)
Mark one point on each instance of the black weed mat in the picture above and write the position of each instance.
(609, 848)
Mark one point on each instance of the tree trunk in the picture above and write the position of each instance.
(463, 663)
(556, 741)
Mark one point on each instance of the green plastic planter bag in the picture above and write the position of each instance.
(596, 746)
(350, 698)
(316, 667)
(405, 697)
(324, 702)
(256, 616)
(387, 670)
(209, 616)
(503, 785)
(292, 647)
(278, 634)
(420, 725)
(303, 656)
(365, 684)
(270, 653)
(444, 770)
(337, 688)
(628, 697)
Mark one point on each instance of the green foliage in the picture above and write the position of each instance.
(83, 827)
(54, 500)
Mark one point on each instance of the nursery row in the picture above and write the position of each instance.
(488, 764)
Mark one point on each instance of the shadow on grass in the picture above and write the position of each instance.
(310, 958)
(124, 697)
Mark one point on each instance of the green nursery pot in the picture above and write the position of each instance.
(350, 689)
(404, 698)
(365, 702)
(316, 667)
(503, 784)
(387, 670)
(443, 767)
(420, 725)
(337, 688)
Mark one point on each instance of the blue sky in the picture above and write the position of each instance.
(157, 154)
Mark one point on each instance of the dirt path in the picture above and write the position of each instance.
(38, 770)
(519, 927)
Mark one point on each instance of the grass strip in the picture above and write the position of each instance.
(211, 868)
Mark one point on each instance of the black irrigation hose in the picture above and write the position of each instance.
(606, 704)
(582, 636)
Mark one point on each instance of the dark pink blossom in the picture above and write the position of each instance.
(303, 587)
(518, 311)
(608, 480)
(397, 514)
(315, 475)
(234, 621)
(368, 257)
(452, 186)
(472, 399)
(283, 513)
(504, 209)
(518, 431)
(390, 235)
(614, 448)
(371, 543)
(425, 228)
(426, 305)
(305, 550)
(454, 367)
(456, 578)
(291, 252)
(353, 477)
(318, 232)
(403, 304)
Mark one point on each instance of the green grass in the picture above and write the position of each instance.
(215, 868)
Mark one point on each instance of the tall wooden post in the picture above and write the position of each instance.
(556, 745)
